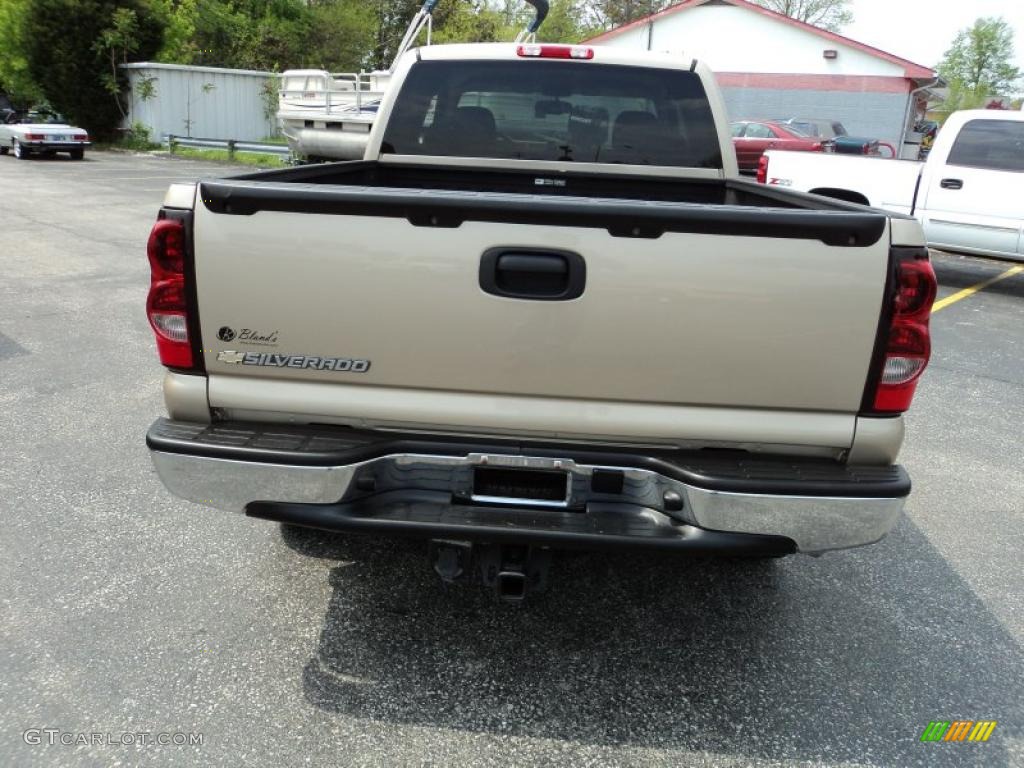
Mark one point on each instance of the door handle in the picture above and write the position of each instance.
(533, 273)
(952, 183)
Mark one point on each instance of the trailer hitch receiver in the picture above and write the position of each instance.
(511, 571)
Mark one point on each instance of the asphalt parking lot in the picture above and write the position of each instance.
(123, 610)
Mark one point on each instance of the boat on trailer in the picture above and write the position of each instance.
(327, 115)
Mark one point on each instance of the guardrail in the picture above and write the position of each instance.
(231, 145)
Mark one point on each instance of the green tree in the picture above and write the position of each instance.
(978, 64)
(460, 21)
(608, 14)
(276, 33)
(14, 74)
(568, 21)
(117, 42)
(832, 15)
(392, 18)
(68, 65)
(341, 36)
(180, 43)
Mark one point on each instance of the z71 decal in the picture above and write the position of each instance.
(270, 360)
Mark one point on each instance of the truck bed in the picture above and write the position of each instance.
(421, 179)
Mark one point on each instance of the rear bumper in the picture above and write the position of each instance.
(63, 146)
(396, 484)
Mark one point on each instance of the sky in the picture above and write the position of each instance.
(922, 31)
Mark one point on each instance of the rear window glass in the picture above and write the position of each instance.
(554, 110)
(759, 131)
(995, 144)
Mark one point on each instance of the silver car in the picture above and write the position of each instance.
(39, 132)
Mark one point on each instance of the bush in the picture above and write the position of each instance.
(137, 137)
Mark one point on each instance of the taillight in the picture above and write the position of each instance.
(908, 341)
(81, 137)
(762, 170)
(34, 137)
(167, 304)
(536, 50)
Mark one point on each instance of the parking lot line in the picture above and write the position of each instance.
(971, 290)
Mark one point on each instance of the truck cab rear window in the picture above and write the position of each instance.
(994, 144)
(554, 110)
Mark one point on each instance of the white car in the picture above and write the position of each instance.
(968, 194)
(41, 133)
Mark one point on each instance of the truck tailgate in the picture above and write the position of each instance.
(703, 313)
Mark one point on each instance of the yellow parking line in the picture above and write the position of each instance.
(943, 303)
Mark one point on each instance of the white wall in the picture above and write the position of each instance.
(733, 39)
(220, 103)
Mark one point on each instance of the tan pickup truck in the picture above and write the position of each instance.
(543, 312)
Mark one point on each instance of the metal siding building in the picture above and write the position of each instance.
(204, 102)
(771, 66)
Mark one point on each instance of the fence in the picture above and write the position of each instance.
(231, 145)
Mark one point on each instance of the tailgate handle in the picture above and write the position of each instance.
(533, 273)
(952, 183)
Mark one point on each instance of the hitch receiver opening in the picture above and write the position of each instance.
(511, 571)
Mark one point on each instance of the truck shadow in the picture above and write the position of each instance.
(834, 660)
(958, 272)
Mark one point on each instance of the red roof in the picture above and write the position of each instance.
(910, 69)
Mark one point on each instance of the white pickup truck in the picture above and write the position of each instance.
(968, 194)
(544, 312)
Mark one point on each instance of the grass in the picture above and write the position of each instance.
(280, 140)
(240, 158)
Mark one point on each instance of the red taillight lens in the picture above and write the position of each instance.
(908, 346)
(915, 289)
(762, 170)
(166, 248)
(34, 137)
(81, 137)
(535, 50)
(167, 304)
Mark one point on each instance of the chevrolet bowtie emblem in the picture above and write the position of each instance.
(230, 357)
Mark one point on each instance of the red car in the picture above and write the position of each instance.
(752, 137)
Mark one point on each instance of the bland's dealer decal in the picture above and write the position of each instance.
(270, 360)
(248, 336)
